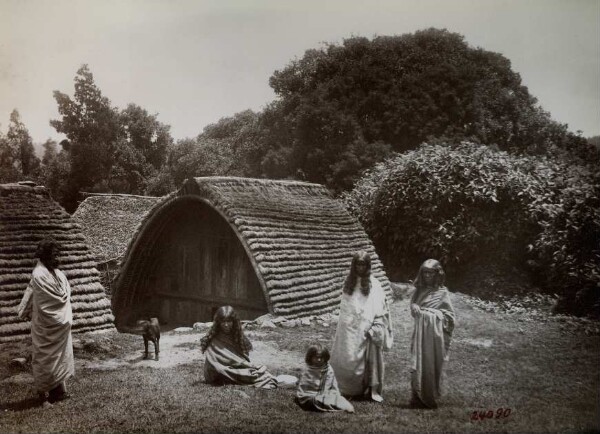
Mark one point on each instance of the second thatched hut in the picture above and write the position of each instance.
(108, 222)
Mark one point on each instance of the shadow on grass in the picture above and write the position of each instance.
(222, 385)
(407, 405)
(358, 398)
(187, 345)
(141, 358)
(411, 406)
(24, 404)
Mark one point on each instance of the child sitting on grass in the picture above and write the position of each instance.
(227, 350)
(318, 388)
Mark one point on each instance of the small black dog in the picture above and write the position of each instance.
(150, 332)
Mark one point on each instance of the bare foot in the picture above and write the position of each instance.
(376, 397)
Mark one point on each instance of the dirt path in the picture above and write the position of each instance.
(178, 348)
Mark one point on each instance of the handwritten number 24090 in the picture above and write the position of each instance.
(490, 414)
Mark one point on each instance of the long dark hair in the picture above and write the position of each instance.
(47, 252)
(430, 264)
(365, 281)
(314, 350)
(240, 340)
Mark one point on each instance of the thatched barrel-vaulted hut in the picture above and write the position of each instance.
(282, 247)
(27, 215)
(108, 222)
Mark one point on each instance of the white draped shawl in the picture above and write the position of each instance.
(364, 330)
(47, 301)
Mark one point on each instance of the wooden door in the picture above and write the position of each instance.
(198, 265)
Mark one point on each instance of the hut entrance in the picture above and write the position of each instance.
(195, 265)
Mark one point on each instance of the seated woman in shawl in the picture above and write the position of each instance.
(318, 388)
(47, 302)
(434, 322)
(363, 332)
(226, 349)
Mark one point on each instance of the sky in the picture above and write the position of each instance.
(194, 62)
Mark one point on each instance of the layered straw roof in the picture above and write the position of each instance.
(27, 215)
(300, 240)
(108, 222)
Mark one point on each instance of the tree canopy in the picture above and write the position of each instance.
(338, 111)
(109, 150)
(17, 154)
(91, 125)
(342, 101)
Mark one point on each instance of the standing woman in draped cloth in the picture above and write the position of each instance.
(363, 332)
(47, 302)
(227, 350)
(434, 317)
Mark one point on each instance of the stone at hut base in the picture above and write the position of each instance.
(268, 325)
(324, 317)
(261, 319)
(200, 326)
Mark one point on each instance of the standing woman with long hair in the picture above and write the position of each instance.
(434, 317)
(363, 332)
(47, 303)
(226, 349)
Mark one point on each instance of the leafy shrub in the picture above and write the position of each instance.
(445, 202)
(568, 245)
(480, 210)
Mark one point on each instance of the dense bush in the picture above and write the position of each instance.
(482, 212)
(568, 246)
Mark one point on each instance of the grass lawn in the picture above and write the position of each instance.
(544, 371)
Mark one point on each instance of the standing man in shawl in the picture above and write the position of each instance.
(434, 323)
(363, 332)
(47, 302)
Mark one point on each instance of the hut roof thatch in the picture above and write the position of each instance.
(299, 239)
(109, 220)
(27, 215)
